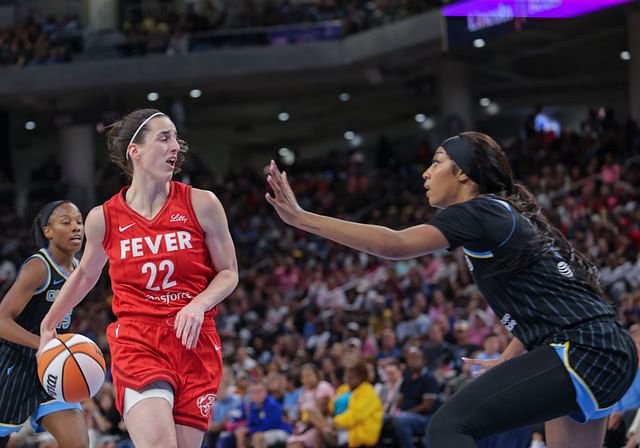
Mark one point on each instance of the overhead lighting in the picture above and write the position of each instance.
(283, 116)
(195, 93)
(420, 118)
(287, 156)
(153, 96)
(479, 43)
(344, 97)
(493, 109)
(349, 135)
(30, 125)
(484, 102)
(428, 124)
(625, 55)
(355, 141)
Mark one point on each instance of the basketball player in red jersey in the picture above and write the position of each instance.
(171, 261)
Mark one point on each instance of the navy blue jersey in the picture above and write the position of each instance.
(536, 303)
(43, 298)
(544, 302)
(21, 394)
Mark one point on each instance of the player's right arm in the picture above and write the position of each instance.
(31, 277)
(376, 240)
(81, 280)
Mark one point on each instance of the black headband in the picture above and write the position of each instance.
(41, 222)
(462, 152)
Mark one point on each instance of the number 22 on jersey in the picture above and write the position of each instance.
(165, 266)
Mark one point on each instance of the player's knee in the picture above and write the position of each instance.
(168, 443)
(159, 438)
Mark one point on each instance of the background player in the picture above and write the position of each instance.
(172, 261)
(547, 294)
(59, 232)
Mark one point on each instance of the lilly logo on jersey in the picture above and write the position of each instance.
(178, 218)
(168, 242)
(205, 403)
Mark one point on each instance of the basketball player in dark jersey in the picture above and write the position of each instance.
(59, 232)
(574, 360)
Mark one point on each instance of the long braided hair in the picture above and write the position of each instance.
(496, 178)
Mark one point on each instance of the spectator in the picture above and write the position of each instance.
(491, 347)
(388, 346)
(419, 399)
(226, 401)
(359, 424)
(313, 402)
(265, 421)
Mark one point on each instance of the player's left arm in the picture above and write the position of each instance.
(213, 221)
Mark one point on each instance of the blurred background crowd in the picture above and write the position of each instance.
(170, 28)
(308, 310)
(325, 346)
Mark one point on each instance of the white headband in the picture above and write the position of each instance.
(135, 134)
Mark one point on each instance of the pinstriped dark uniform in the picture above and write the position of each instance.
(544, 303)
(20, 389)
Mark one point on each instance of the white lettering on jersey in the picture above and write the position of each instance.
(178, 218)
(153, 245)
(508, 322)
(170, 242)
(170, 297)
(565, 270)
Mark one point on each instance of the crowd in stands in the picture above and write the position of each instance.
(40, 43)
(326, 346)
(250, 22)
(168, 29)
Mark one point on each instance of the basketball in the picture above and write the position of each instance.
(71, 368)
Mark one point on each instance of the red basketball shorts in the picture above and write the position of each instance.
(144, 351)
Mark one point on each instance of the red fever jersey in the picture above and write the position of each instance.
(156, 266)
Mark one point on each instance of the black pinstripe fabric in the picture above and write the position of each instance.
(545, 303)
(20, 389)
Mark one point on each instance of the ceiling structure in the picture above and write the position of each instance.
(553, 61)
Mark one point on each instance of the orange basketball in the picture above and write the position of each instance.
(71, 368)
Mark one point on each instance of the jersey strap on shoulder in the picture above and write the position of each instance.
(64, 274)
(489, 253)
(42, 258)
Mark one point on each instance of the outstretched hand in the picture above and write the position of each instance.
(283, 199)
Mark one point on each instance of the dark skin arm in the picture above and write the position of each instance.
(31, 277)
